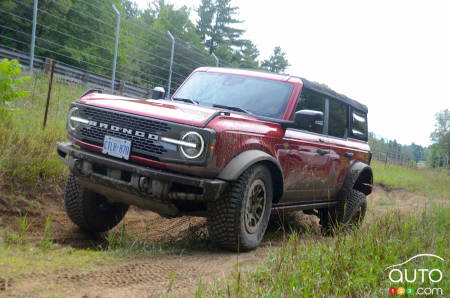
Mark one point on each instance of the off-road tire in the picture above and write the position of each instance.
(226, 215)
(91, 211)
(348, 213)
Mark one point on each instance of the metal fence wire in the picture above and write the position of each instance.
(112, 53)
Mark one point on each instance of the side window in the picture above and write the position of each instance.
(359, 125)
(312, 101)
(338, 119)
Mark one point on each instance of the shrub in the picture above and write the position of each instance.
(10, 79)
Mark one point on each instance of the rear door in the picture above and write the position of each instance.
(340, 155)
(347, 131)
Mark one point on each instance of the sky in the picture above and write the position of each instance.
(393, 56)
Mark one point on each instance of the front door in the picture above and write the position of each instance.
(305, 157)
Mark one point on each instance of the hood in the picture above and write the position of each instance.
(189, 114)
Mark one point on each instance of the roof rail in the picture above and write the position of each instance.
(91, 91)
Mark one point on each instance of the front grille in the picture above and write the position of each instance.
(140, 145)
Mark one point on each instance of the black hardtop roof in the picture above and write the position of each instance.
(322, 89)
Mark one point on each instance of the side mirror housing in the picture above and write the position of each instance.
(158, 93)
(309, 120)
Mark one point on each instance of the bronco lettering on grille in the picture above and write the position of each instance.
(124, 130)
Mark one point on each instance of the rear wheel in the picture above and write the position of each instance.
(89, 210)
(238, 219)
(347, 214)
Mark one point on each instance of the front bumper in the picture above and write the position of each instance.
(150, 188)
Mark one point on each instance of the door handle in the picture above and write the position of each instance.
(349, 154)
(323, 151)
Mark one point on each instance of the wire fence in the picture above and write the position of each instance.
(393, 157)
(405, 158)
(95, 43)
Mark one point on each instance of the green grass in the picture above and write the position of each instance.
(428, 182)
(307, 265)
(27, 151)
(351, 265)
(17, 260)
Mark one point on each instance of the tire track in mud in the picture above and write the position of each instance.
(148, 277)
(153, 276)
(170, 272)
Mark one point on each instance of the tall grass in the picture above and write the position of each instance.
(429, 182)
(27, 150)
(351, 265)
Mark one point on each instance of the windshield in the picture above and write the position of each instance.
(258, 96)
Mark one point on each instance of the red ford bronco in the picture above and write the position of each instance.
(232, 145)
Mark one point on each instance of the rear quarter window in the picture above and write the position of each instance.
(359, 125)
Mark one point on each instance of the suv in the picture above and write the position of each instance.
(232, 145)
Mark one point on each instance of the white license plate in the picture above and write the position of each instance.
(117, 147)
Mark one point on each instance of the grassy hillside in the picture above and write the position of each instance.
(28, 150)
(429, 182)
(353, 265)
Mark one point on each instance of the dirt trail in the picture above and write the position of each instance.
(172, 273)
(151, 276)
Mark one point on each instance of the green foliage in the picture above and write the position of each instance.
(20, 237)
(27, 151)
(81, 34)
(46, 241)
(277, 62)
(439, 152)
(383, 148)
(215, 25)
(351, 265)
(10, 79)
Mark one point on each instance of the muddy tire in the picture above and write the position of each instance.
(91, 211)
(346, 215)
(238, 220)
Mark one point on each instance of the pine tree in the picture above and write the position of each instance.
(277, 62)
(248, 55)
(215, 25)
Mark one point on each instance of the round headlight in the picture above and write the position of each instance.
(72, 119)
(192, 152)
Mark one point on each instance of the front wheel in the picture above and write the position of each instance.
(89, 210)
(238, 220)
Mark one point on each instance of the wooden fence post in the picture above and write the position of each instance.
(121, 87)
(47, 65)
(49, 93)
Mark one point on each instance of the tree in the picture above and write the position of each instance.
(131, 9)
(248, 55)
(277, 62)
(439, 154)
(215, 24)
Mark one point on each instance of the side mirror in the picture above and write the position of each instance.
(309, 120)
(158, 93)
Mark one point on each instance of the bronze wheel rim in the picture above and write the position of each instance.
(255, 206)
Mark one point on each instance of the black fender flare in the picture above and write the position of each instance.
(246, 159)
(359, 177)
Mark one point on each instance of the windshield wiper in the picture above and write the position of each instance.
(188, 100)
(237, 109)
